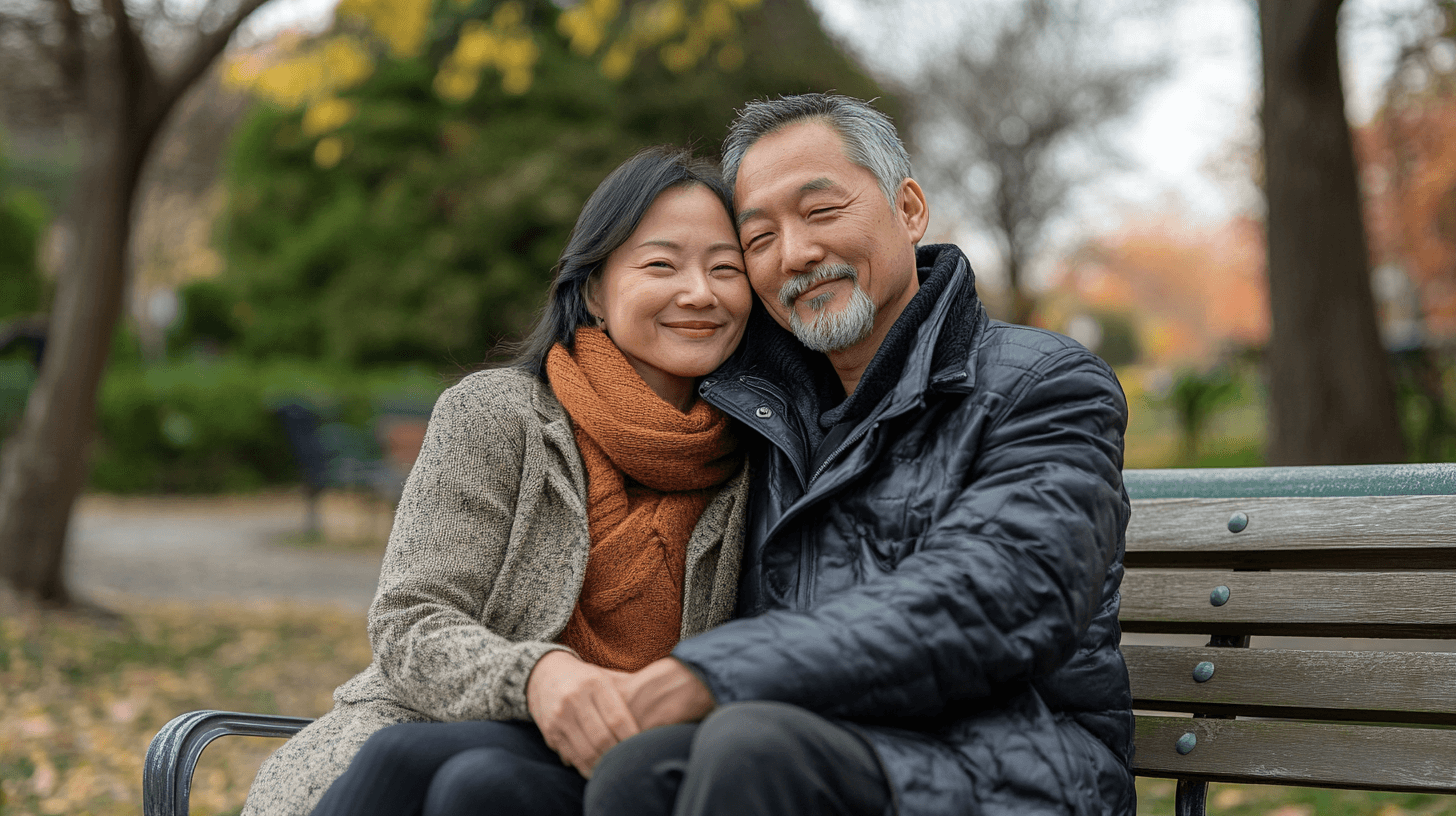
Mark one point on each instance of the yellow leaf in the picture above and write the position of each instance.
(455, 85)
(507, 15)
(516, 81)
(477, 46)
(328, 152)
(327, 115)
(618, 60)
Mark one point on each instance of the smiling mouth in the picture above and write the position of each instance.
(694, 328)
(818, 294)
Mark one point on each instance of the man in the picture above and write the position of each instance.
(927, 618)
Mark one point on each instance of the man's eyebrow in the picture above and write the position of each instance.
(747, 214)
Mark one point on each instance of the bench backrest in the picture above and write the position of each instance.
(1355, 552)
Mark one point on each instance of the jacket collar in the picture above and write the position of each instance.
(941, 356)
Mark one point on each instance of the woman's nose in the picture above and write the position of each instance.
(697, 293)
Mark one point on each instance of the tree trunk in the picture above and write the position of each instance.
(1331, 390)
(47, 462)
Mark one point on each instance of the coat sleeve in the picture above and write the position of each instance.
(999, 590)
(450, 538)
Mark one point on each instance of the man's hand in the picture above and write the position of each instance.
(664, 692)
(579, 708)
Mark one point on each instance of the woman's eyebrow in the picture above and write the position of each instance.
(666, 244)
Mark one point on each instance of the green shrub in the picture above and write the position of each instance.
(208, 425)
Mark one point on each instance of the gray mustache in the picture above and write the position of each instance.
(799, 284)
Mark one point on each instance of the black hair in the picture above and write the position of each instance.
(607, 220)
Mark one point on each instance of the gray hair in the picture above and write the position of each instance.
(868, 137)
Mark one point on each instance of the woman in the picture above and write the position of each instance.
(569, 519)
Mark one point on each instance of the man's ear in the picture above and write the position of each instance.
(912, 209)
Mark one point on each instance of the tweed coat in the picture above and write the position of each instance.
(484, 565)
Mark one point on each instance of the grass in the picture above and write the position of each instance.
(1155, 798)
(84, 694)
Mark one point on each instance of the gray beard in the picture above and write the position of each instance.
(829, 331)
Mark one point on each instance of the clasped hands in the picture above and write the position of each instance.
(583, 710)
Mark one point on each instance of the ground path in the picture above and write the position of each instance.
(221, 549)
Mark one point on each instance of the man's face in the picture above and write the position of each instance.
(832, 260)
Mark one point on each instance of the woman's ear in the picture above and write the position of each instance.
(591, 292)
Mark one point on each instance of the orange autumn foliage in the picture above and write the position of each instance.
(1193, 290)
(1408, 158)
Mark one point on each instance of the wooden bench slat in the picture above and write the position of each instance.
(1389, 532)
(1409, 687)
(1315, 604)
(1329, 755)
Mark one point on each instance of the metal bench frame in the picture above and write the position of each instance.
(1223, 733)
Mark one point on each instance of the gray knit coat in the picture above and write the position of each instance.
(483, 568)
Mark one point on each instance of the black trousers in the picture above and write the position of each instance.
(747, 758)
(759, 758)
(444, 769)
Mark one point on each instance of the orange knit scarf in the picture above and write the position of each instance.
(651, 471)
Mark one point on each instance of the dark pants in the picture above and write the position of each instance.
(758, 758)
(452, 769)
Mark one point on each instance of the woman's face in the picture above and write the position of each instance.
(674, 295)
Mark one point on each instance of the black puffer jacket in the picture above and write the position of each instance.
(946, 580)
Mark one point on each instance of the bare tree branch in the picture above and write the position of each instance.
(70, 53)
(206, 49)
(136, 63)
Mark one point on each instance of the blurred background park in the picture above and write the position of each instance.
(244, 244)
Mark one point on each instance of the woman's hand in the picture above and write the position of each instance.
(579, 708)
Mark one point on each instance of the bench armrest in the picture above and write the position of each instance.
(173, 754)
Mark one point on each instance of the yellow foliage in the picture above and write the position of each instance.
(715, 20)
(314, 73)
(604, 9)
(328, 152)
(477, 46)
(618, 60)
(327, 115)
(583, 30)
(677, 57)
(508, 15)
(518, 53)
(455, 85)
(745, 5)
(402, 24)
(658, 21)
(516, 81)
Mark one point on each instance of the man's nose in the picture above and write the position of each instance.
(802, 251)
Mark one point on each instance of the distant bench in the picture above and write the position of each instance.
(337, 455)
(1358, 552)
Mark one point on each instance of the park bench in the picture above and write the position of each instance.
(333, 454)
(1365, 552)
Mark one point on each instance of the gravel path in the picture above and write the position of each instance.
(216, 549)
